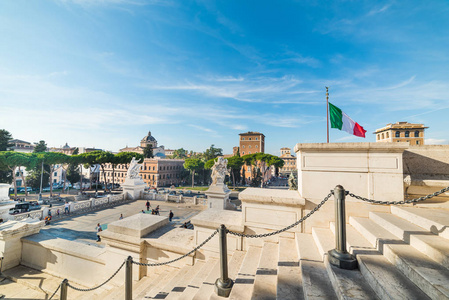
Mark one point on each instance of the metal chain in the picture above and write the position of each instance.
(401, 202)
(94, 288)
(55, 292)
(181, 257)
(284, 229)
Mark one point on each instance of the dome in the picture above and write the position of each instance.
(148, 138)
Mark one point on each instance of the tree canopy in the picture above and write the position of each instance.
(180, 153)
(212, 153)
(148, 151)
(5, 140)
(40, 147)
(193, 164)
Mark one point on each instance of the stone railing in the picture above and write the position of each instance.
(92, 203)
(36, 214)
(175, 198)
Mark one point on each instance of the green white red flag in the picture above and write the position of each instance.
(341, 121)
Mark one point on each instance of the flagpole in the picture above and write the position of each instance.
(327, 112)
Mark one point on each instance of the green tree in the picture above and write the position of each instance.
(148, 151)
(5, 145)
(53, 160)
(194, 165)
(5, 140)
(212, 153)
(40, 147)
(180, 153)
(10, 160)
(235, 163)
(262, 162)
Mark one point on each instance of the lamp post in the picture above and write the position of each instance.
(42, 173)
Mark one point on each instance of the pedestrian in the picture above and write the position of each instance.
(170, 216)
(66, 208)
(121, 217)
(157, 210)
(57, 212)
(49, 213)
(148, 205)
(143, 211)
(98, 232)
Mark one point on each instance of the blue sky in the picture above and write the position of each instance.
(103, 73)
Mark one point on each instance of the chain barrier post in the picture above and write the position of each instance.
(339, 256)
(223, 285)
(63, 295)
(129, 278)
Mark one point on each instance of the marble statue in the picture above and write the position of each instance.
(134, 169)
(219, 171)
(292, 182)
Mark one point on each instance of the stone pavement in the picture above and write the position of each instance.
(81, 227)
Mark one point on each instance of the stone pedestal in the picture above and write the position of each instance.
(5, 203)
(218, 197)
(124, 238)
(10, 244)
(133, 188)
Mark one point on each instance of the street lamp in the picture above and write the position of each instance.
(42, 173)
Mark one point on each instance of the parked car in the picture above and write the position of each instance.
(24, 207)
(172, 193)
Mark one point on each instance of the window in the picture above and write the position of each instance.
(257, 139)
(383, 136)
(243, 152)
(388, 135)
(249, 139)
(398, 134)
(55, 174)
(243, 138)
(249, 146)
(378, 137)
(407, 133)
(416, 134)
(257, 146)
(417, 142)
(249, 152)
(243, 146)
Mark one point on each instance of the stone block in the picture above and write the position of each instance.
(138, 225)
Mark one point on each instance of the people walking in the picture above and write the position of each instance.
(99, 229)
(148, 205)
(157, 210)
(66, 208)
(170, 216)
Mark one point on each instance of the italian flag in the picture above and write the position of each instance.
(341, 121)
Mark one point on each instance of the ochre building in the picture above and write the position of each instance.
(155, 172)
(289, 162)
(401, 132)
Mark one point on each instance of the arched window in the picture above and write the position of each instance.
(416, 133)
(378, 137)
(398, 134)
(388, 135)
(383, 136)
(407, 133)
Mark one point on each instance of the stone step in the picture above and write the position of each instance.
(163, 279)
(44, 282)
(195, 283)
(428, 243)
(207, 286)
(182, 282)
(244, 282)
(349, 284)
(233, 267)
(145, 283)
(265, 282)
(315, 281)
(166, 289)
(384, 278)
(13, 290)
(324, 240)
(289, 285)
(428, 275)
(434, 220)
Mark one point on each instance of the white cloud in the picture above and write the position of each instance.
(379, 10)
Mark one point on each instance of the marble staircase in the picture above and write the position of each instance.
(401, 255)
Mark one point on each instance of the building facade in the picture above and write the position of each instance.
(147, 140)
(289, 162)
(22, 146)
(401, 132)
(155, 172)
(251, 142)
